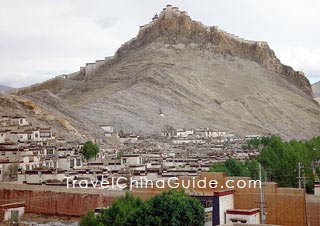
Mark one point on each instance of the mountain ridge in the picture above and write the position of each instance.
(316, 89)
(4, 89)
(175, 26)
(198, 76)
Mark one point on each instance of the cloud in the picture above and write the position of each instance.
(107, 22)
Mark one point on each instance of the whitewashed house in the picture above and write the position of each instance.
(19, 121)
(3, 136)
(127, 160)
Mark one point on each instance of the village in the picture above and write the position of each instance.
(35, 158)
(33, 155)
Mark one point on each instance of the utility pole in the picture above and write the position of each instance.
(299, 170)
(262, 213)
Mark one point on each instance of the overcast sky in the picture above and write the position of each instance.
(43, 38)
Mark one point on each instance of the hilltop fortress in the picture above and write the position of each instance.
(168, 13)
(173, 26)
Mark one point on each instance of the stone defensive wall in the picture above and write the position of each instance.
(91, 67)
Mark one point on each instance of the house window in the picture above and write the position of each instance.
(78, 162)
(124, 160)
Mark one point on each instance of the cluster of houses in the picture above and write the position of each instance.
(17, 129)
(201, 136)
(26, 151)
(33, 155)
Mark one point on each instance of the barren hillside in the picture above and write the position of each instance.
(194, 74)
(4, 89)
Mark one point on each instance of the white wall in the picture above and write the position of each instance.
(7, 213)
(226, 203)
(22, 137)
(1, 172)
(316, 190)
(64, 163)
(36, 178)
(3, 136)
(132, 160)
(107, 128)
(250, 219)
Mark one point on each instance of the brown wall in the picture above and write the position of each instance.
(313, 209)
(56, 203)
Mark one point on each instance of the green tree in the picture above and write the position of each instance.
(90, 150)
(219, 167)
(119, 212)
(232, 167)
(254, 143)
(281, 159)
(172, 208)
(89, 220)
(253, 168)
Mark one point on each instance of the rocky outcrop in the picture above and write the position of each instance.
(173, 26)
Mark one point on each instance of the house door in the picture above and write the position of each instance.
(14, 217)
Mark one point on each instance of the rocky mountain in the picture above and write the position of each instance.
(316, 91)
(4, 89)
(195, 75)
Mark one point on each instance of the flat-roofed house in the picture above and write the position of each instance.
(45, 133)
(133, 159)
(22, 136)
(19, 121)
(3, 136)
